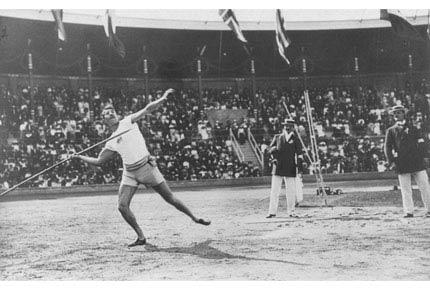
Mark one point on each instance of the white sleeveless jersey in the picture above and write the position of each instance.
(131, 146)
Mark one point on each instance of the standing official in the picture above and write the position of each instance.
(287, 154)
(405, 149)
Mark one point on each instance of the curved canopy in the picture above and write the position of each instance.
(208, 19)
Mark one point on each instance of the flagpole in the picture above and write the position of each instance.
(410, 70)
(304, 70)
(30, 78)
(254, 91)
(199, 79)
(89, 71)
(219, 54)
(357, 71)
(145, 71)
(56, 55)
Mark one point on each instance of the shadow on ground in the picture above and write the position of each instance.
(205, 251)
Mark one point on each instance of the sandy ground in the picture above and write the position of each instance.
(360, 236)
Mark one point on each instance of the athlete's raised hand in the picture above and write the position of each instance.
(167, 93)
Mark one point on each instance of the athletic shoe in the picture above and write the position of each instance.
(270, 216)
(138, 242)
(409, 215)
(203, 222)
(293, 215)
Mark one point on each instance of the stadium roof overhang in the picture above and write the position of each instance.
(208, 19)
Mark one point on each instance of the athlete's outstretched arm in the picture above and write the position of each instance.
(104, 156)
(150, 107)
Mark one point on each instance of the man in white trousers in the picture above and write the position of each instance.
(405, 149)
(287, 153)
(299, 189)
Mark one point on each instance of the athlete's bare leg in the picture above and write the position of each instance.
(126, 193)
(165, 192)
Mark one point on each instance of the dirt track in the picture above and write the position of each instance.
(363, 237)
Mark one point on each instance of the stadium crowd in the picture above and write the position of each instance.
(350, 125)
(66, 122)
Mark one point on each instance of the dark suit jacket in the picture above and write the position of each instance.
(406, 147)
(284, 153)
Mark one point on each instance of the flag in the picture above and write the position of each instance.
(401, 26)
(229, 18)
(110, 30)
(58, 16)
(281, 36)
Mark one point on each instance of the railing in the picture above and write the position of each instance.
(395, 78)
(236, 147)
(256, 148)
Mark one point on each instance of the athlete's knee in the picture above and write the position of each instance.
(123, 207)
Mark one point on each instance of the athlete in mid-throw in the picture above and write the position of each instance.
(139, 165)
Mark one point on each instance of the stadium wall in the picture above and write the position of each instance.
(103, 189)
(388, 80)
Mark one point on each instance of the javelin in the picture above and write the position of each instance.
(62, 161)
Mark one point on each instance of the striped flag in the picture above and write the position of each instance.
(58, 16)
(281, 36)
(229, 18)
(400, 25)
(110, 30)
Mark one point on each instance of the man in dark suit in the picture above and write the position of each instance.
(287, 161)
(405, 149)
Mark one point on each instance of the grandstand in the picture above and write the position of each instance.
(353, 79)
(227, 106)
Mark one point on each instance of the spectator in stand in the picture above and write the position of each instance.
(341, 114)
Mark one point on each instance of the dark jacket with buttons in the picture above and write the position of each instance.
(285, 153)
(406, 147)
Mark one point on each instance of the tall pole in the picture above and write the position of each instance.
(410, 71)
(220, 54)
(308, 110)
(57, 49)
(254, 97)
(357, 71)
(199, 78)
(304, 70)
(89, 70)
(145, 71)
(90, 80)
(30, 78)
(312, 136)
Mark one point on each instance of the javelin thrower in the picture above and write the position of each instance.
(139, 166)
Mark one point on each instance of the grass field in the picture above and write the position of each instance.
(361, 235)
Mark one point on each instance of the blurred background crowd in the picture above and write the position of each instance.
(350, 125)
